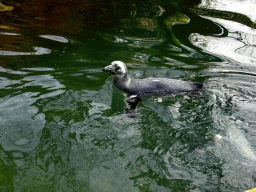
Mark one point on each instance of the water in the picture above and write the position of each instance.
(63, 126)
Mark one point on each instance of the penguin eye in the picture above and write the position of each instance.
(117, 67)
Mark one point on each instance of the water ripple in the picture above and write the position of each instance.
(37, 51)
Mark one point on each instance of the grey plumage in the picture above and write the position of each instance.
(151, 86)
(137, 88)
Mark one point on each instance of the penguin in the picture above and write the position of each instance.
(137, 88)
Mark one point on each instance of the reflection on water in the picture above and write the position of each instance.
(238, 43)
(36, 51)
(239, 11)
(63, 125)
(55, 38)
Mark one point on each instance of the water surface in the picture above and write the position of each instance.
(64, 128)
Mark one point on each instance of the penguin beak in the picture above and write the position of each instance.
(108, 68)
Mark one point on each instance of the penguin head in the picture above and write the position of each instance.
(116, 67)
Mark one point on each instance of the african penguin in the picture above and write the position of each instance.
(137, 88)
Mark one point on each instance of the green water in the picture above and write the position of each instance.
(63, 126)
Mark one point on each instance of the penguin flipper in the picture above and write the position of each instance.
(131, 105)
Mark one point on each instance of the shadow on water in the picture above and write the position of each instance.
(63, 124)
